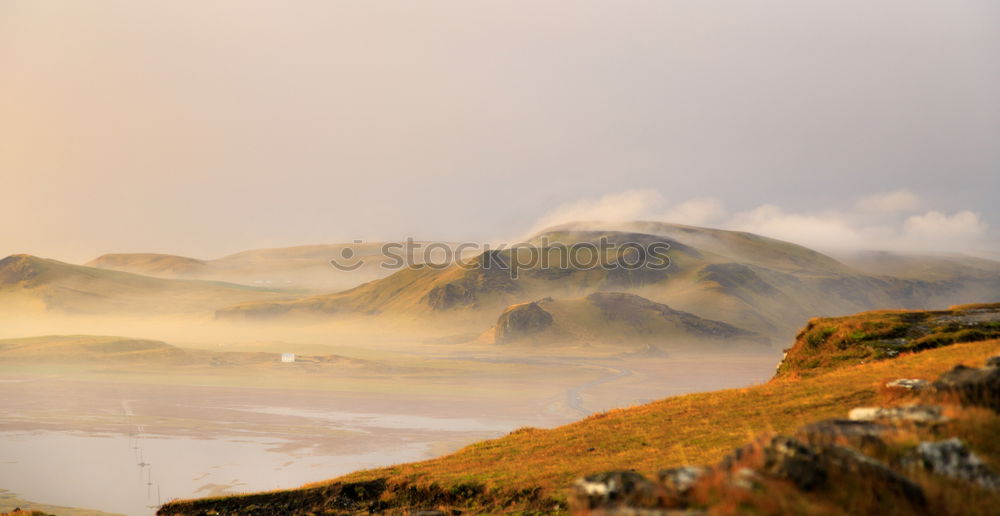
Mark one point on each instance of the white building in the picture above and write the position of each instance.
(288, 358)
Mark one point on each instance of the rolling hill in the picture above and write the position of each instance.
(304, 267)
(30, 284)
(533, 470)
(756, 283)
(90, 348)
(614, 318)
(925, 267)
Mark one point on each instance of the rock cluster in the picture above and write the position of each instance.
(838, 458)
(952, 459)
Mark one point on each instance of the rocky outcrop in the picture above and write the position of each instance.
(18, 269)
(488, 278)
(909, 384)
(972, 385)
(952, 459)
(521, 321)
(759, 468)
(909, 413)
(868, 458)
(614, 490)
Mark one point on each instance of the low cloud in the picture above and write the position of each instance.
(891, 221)
(892, 202)
(619, 207)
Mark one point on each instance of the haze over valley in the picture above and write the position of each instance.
(132, 354)
(449, 258)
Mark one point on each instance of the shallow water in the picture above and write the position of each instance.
(123, 474)
(361, 421)
(124, 447)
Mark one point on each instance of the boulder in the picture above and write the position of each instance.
(780, 457)
(820, 467)
(911, 413)
(972, 386)
(680, 480)
(910, 384)
(952, 459)
(860, 434)
(613, 489)
(847, 463)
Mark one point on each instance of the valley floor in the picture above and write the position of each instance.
(161, 433)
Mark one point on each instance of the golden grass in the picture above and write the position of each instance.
(828, 343)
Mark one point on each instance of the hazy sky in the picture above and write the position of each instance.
(203, 128)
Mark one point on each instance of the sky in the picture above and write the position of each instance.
(205, 128)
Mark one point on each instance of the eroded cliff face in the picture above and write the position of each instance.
(521, 321)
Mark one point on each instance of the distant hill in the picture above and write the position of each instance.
(725, 245)
(89, 351)
(304, 267)
(151, 264)
(90, 348)
(748, 281)
(922, 267)
(616, 319)
(32, 284)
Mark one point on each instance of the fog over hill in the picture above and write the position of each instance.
(756, 283)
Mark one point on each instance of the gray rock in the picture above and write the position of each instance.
(860, 434)
(680, 480)
(613, 489)
(846, 428)
(785, 458)
(853, 463)
(911, 413)
(973, 386)
(910, 384)
(810, 468)
(952, 459)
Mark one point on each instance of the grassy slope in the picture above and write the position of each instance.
(830, 342)
(691, 429)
